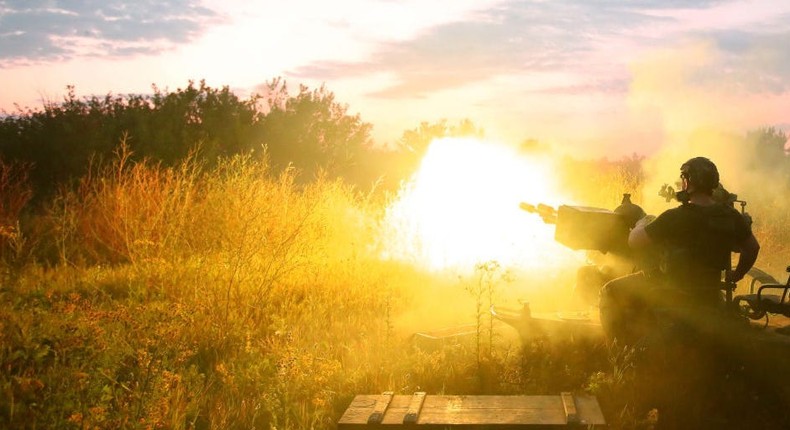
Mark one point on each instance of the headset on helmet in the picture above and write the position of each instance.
(701, 173)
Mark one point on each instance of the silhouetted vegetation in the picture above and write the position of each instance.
(602, 182)
(309, 131)
(769, 153)
(312, 132)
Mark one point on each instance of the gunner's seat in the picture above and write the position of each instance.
(756, 306)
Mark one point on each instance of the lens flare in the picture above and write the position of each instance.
(461, 208)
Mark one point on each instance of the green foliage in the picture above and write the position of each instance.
(766, 185)
(15, 193)
(483, 289)
(768, 146)
(62, 139)
(234, 306)
(312, 132)
(418, 139)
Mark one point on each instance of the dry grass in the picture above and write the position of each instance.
(186, 298)
(15, 193)
(231, 298)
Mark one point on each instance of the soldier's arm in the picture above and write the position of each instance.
(638, 238)
(750, 248)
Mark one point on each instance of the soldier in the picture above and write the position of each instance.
(695, 240)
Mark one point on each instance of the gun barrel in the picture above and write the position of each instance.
(528, 207)
(547, 213)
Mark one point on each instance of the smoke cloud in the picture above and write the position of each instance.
(695, 97)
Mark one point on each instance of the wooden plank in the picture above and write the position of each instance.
(415, 405)
(513, 411)
(492, 410)
(380, 408)
(571, 415)
(589, 411)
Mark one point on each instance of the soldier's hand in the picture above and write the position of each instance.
(732, 277)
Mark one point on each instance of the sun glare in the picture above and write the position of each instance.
(461, 208)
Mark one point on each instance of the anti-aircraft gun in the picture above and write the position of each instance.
(603, 234)
(755, 353)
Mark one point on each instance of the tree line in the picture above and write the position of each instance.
(61, 140)
(309, 131)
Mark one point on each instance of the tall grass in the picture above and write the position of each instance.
(15, 193)
(602, 183)
(190, 298)
(230, 297)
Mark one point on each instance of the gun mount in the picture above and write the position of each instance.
(739, 334)
(604, 234)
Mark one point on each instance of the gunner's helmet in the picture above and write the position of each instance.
(701, 173)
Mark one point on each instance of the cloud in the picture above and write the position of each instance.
(512, 38)
(705, 94)
(38, 30)
(753, 62)
(712, 84)
(562, 36)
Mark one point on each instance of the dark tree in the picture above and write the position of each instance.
(768, 145)
(61, 140)
(312, 132)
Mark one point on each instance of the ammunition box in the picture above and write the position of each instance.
(588, 228)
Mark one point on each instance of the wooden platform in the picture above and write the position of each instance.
(472, 411)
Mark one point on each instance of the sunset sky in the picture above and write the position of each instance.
(598, 77)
